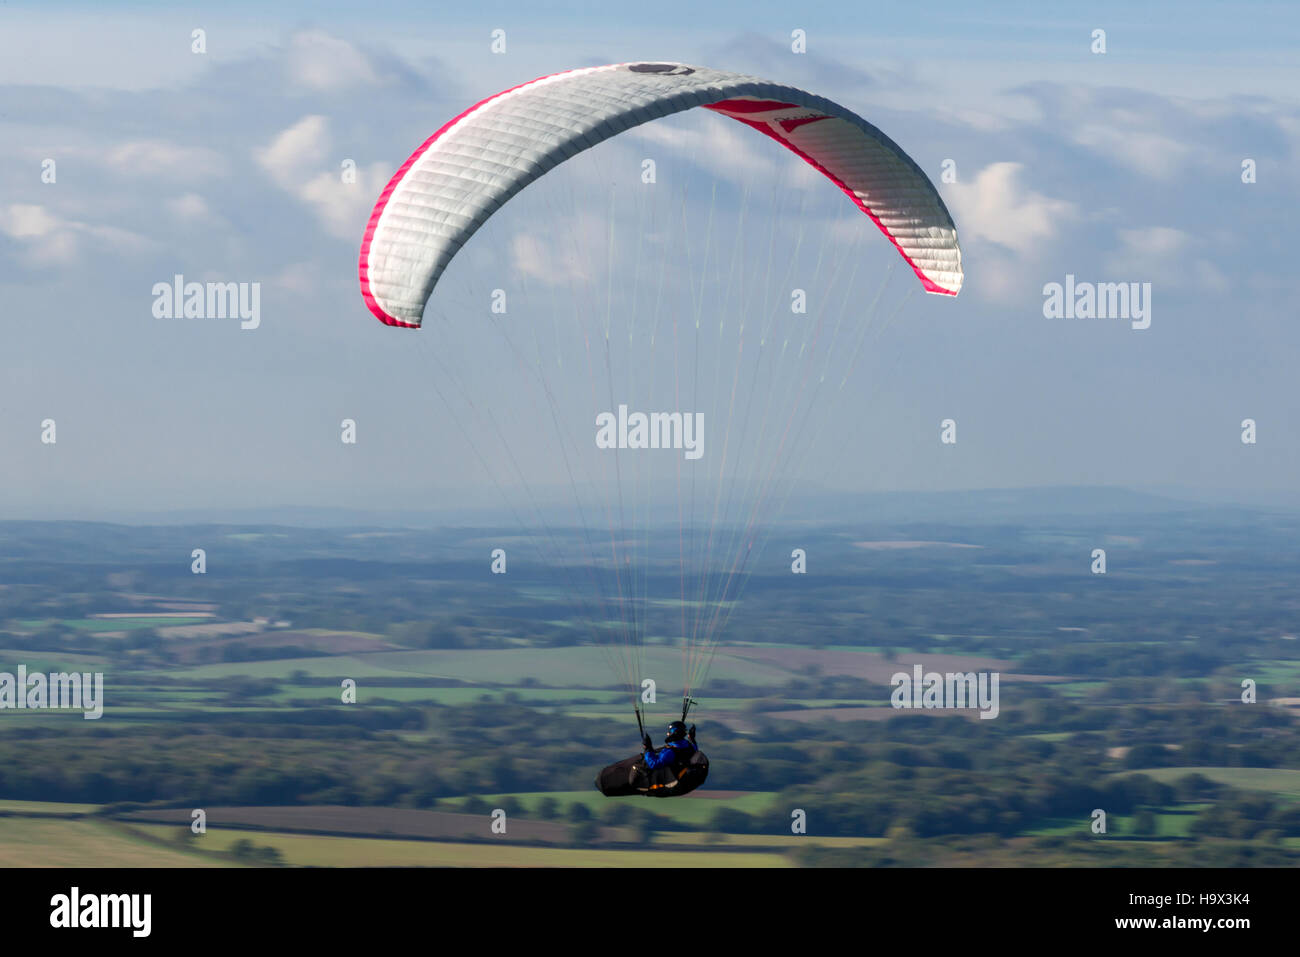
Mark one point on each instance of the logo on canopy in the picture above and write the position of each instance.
(664, 69)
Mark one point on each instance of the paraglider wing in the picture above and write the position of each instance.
(477, 161)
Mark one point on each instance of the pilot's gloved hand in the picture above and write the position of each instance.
(691, 734)
(649, 745)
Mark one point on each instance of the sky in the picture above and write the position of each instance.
(224, 165)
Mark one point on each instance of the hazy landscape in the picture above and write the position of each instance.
(474, 693)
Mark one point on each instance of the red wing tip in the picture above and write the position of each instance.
(401, 323)
(389, 320)
(929, 285)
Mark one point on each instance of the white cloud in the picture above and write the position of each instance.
(326, 64)
(1168, 256)
(1156, 242)
(982, 121)
(997, 277)
(995, 207)
(160, 159)
(48, 239)
(189, 206)
(295, 150)
(555, 264)
(1136, 147)
(729, 151)
(343, 208)
(21, 221)
(298, 160)
(532, 257)
(1165, 255)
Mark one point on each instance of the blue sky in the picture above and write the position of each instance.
(1117, 167)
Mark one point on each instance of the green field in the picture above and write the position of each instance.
(314, 851)
(773, 841)
(543, 697)
(1077, 689)
(47, 808)
(1276, 678)
(1169, 822)
(49, 842)
(694, 809)
(120, 624)
(573, 667)
(37, 660)
(1280, 781)
(36, 829)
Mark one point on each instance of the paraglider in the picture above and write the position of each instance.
(760, 400)
(676, 769)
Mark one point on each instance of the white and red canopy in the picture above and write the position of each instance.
(477, 161)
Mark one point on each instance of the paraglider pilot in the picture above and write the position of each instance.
(679, 746)
(678, 768)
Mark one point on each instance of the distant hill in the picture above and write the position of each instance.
(964, 506)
